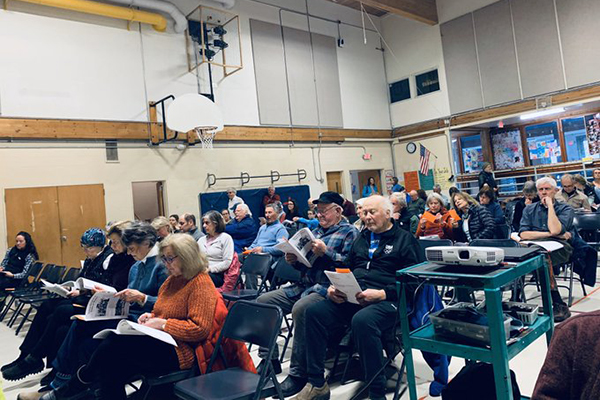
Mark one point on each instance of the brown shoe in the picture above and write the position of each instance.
(309, 392)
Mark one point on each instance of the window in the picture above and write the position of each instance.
(427, 82)
(472, 153)
(543, 143)
(575, 139)
(400, 91)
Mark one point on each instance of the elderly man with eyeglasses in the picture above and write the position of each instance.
(333, 240)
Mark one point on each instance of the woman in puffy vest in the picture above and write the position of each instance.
(17, 261)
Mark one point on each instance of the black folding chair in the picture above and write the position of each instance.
(255, 264)
(502, 232)
(27, 285)
(150, 382)
(35, 302)
(250, 322)
(51, 273)
(284, 273)
(588, 226)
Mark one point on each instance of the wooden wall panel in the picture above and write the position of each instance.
(21, 128)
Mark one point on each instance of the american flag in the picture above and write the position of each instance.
(424, 161)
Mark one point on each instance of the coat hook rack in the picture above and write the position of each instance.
(244, 177)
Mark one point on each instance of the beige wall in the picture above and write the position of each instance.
(438, 145)
(184, 173)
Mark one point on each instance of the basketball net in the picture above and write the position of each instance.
(206, 134)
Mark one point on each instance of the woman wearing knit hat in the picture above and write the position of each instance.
(188, 308)
(52, 319)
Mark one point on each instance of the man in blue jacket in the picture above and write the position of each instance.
(243, 229)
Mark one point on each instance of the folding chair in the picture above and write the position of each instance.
(26, 285)
(35, 302)
(55, 274)
(150, 382)
(250, 322)
(284, 272)
(255, 264)
(425, 243)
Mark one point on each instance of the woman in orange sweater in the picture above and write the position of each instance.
(435, 221)
(185, 309)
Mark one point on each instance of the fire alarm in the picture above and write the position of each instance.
(367, 156)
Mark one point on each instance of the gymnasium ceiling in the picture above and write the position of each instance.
(419, 10)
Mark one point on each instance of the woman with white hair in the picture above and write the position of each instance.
(234, 200)
(435, 221)
(162, 226)
(360, 223)
(400, 211)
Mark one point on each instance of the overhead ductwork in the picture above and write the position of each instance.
(162, 6)
(227, 4)
(157, 21)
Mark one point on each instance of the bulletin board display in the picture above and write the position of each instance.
(442, 177)
(508, 150)
(593, 134)
(411, 180)
(426, 181)
(472, 159)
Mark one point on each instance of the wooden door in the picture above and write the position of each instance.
(334, 181)
(35, 210)
(363, 178)
(80, 207)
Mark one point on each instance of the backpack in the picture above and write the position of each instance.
(476, 382)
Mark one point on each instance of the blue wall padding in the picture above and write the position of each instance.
(254, 197)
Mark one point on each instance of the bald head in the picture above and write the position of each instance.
(413, 194)
(377, 213)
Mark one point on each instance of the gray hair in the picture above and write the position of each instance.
(568, 177)
(361, 201)
(437, 197)
(160, 222)
(529, 187)
(244, 207)
(437, 186)
(385, 202)
(231, 190)
(276, 206)
(401, 197)
(546, 180)
(139, 233)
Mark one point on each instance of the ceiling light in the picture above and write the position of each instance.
(542, 113)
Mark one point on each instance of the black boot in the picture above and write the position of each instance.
(12, 364)
(28, 366)
(47, 380)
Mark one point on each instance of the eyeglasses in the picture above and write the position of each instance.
(325, 211)
(168, 260)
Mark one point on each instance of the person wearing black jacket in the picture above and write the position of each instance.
(529, 197)
(243, 229)
(486, 177)
(476, 222)
(380, 250)
(52, 319)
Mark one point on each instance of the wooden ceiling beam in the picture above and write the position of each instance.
(420, 10)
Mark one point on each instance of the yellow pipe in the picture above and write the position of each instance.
(157, 21)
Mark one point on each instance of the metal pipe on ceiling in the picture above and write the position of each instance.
(157, 21)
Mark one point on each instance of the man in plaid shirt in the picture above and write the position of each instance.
(333, 240)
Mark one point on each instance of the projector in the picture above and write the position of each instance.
(456, 255)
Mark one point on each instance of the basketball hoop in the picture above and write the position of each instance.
(206, 134)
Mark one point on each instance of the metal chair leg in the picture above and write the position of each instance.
(25, 318)
(16, 314)
(6, 309)
(570, 267)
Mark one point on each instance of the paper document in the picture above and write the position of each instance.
(103, 306)
(549, 245)
(63, 289)
(346, 283)
(126, 327)
(60, 289)
(300, 245)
